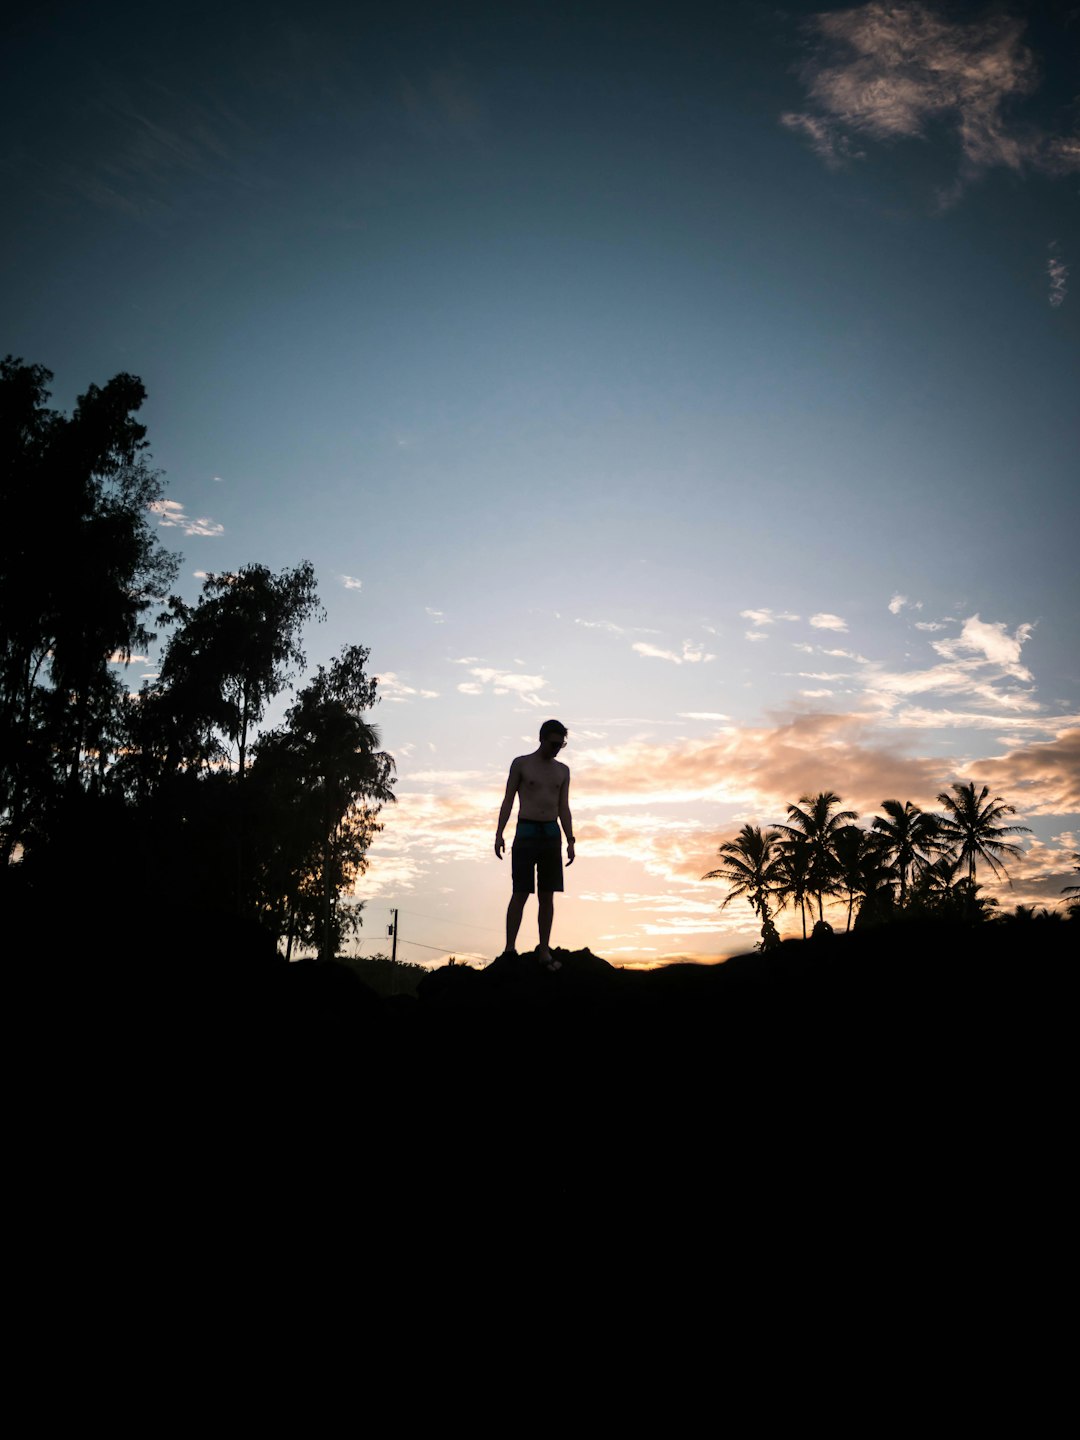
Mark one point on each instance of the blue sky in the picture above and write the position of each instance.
(706, 380)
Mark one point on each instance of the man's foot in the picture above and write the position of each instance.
(548, 960)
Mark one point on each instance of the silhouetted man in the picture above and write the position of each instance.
(542, 785)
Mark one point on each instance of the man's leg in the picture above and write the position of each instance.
(513, 918)
(546, 902)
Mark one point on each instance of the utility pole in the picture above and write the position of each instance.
(393, 931)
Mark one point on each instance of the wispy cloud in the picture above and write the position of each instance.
(1058, 273)
(691, 653)
(438, 616)
(824, 621)
(901, 602)
(887, 71)
(759, 619)
(395, 689)
(172, 515)
(504, 682)
(351, 582)
(613, 629)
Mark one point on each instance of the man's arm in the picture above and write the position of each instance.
(565, 818)
(512, 786)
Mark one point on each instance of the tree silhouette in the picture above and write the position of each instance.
(814, 823)
(862, 868)
(79, 567)
(970, 828)
(908, 837)
(232, 652)
(751, 867)
(326, 778)
(794, 874)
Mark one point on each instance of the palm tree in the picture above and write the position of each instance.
(816, 822)
(970, 827)
(862, 867)
(907, 838)
(750, 867)
(794, 875)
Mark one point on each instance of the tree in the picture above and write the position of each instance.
(751, 867)
(815, 823)
(232, 652)
(325, 779)
(970, 828)
(793, 875)
(908, 837)
(78, 488)
(862, 869)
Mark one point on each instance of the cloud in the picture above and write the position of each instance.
(929, 625)
(119, 658)
(439, 616)
(691, 654)
(1058, 272)
(901, 602)
(613, 629)
(761, 618)
(701, 715)
(992, 641)
(1039, 779)
(503, 682)
(758, 769)
(391, 688)
(173, 516)
(887, 71)
(825, 621)
(916, 717)
(766, 616)
(351, 583)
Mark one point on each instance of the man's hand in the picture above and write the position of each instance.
(569, 852)
(500, 847)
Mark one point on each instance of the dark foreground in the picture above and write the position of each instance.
(891, 1057)
(871, 1132)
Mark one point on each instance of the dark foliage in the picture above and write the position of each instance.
(156, 793)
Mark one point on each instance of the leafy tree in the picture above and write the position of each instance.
(79, 567)
(815, 823)
(750, 867)
(232, 652)
(908, 838)
(970, 828)
(325, 779)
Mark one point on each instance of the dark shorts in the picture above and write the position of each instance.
(536, 857)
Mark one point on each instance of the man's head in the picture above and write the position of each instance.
(553, 736)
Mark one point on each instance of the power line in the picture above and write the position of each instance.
(488, 929)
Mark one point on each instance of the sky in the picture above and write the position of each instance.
(703, 377)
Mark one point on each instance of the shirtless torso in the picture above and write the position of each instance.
(540, 786)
